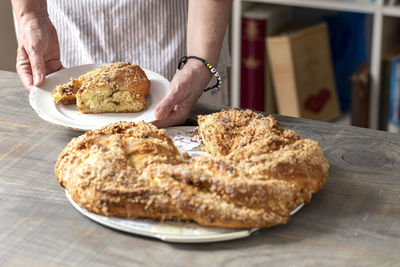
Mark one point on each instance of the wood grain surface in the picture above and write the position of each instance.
(353, 221)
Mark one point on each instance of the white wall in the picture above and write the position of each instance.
(8, 41)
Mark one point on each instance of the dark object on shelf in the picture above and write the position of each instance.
(386, 67)
(347, 41)
(252, 69)
(360, 83)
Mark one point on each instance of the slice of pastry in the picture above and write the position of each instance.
(118, 87)
(66, 93)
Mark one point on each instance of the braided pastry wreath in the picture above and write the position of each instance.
(255, 174)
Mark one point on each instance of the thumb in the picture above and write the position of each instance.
(166, 106)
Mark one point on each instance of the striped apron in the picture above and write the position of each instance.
(150, 33)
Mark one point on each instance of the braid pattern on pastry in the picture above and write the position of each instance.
(255, 174)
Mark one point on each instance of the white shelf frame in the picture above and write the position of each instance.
(391, 11)
(377, 10)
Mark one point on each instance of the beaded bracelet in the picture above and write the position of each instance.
(184, 60)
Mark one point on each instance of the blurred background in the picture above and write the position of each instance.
(329, 60)
(8, 40)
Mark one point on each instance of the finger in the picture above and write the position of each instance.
(35, 54)
(23, 68)
(166, 106)
(169, 121)
(176, 117)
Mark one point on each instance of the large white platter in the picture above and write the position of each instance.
(70, 116)
(185, 139)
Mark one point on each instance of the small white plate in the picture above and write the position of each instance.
(70, 116)
(185, 139)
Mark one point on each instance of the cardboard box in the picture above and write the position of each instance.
(302, 73)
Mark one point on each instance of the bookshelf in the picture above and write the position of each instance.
(382, 36)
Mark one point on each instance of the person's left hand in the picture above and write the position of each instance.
(186, 87)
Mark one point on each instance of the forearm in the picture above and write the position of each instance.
(28, 9)
(207, 21)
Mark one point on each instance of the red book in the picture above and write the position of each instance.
(252, 63)
(259, 21)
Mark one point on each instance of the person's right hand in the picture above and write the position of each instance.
(38, 52)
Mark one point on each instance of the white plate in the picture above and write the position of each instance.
(70, 116)
(169, 231)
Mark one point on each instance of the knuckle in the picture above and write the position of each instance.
(176, 87)
(36, 65)
(35, 48)
(22, 63)
(21, 53)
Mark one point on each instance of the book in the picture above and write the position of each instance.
(360, 84)
(394, 97)
(302, 73)
(252, 64)
(259, 21)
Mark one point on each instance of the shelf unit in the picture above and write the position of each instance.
(377, 10)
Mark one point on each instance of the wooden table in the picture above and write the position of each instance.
(353, 221)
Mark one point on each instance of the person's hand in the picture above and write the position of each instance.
(38, 50)
(186, 87)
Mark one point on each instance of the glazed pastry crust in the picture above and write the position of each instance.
(102, 172)
(260, 147)
(255, 174)
(117, 87)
